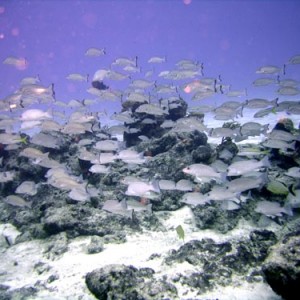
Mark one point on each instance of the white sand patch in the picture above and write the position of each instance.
(73, 265)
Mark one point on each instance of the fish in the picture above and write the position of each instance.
(138, 206)
(260, 103)
(245, 166)
(107, 145)
(124, 61)
(46, 162)
(242, 184)
(46, 140)
(293, 199)
(167, 185)
(131, 156)
(204, 173)
(129, 179)
(34, 90)
(253, 129)
(288, 91)
(95, 52)
(294, 60)
(106, 158)
(10, 138)
(87, 155)
(236, 93)
(141, 84)
(272, 209)
(293, 172)
(50, 125)
(29, 125)
(113, 75)
(224, 132)
(229, 205)
(200, 95)
(79, 194)
(151, 109)
(184, 185)
(59, 178)
(277, 134)
(27, 187)
(99, 169)
(116, 207)
(30, 152)
(132, 69)
(180, 232)
(18, 62)
(288, 83)
(36, 115)
(264, 112)
(77, 77)
(30, 80)
(268, 69)
(195, 198)
(251, 151)
(278, 144)
(221, 193)
(17, 201)
(179, 74)
(263, 81)
(80, 117)
(143, 189)
(73, 128)
(7, 176)
(97, 80)
(157, 59)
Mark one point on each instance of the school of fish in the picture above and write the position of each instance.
(35, 123)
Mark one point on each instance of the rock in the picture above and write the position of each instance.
(96, 245)
(202, 154)
(228, 145)
(78, 220)
(212, 216)
(282, 269)
(285, 124)
(8, 235)
(127, 282)
(177, 109)
(216, 263)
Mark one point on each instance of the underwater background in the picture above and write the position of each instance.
(149, 149)
(231, 38)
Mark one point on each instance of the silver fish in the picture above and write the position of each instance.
(295, 60)
(272, 209)
(245, 166)
(27, 187)
(288, 91)
(195, 199)
(269, 69)
(260, 103)
(116, 207)
(18, 201)
(263, 81)
(95, 51)
(157, 59)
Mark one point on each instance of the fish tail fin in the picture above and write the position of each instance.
(149, 207)
(275, 102)
(223, 176)
(124, 204)
(265, 129)
(265, 162)
(288, 209)
(155, 186)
